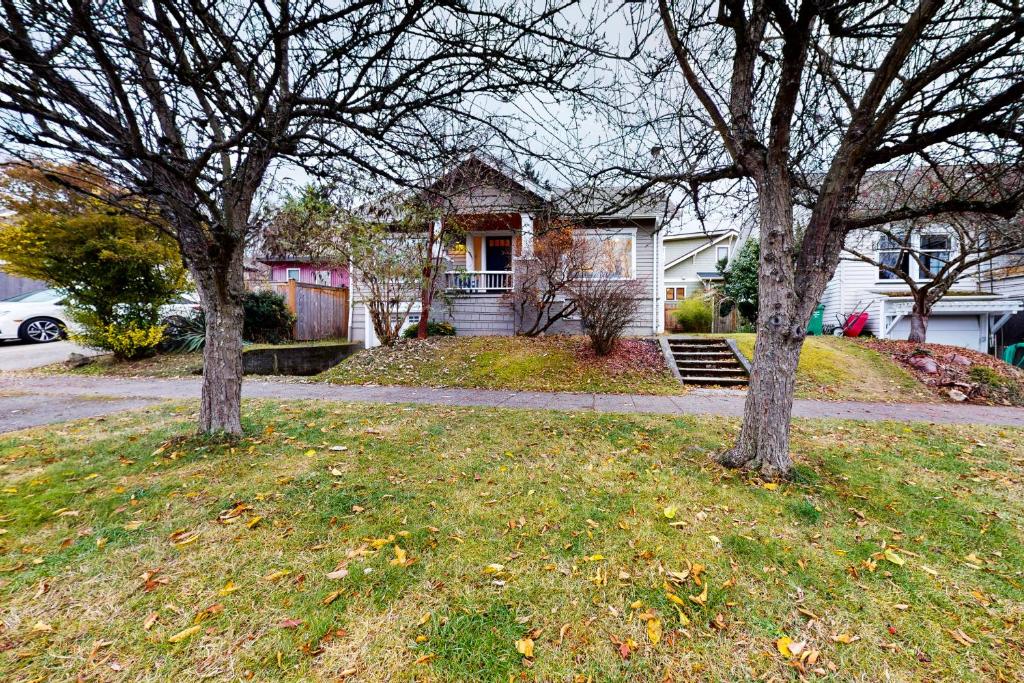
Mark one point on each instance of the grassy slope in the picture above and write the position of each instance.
(841, 369)
(517, 363)
(571, 506)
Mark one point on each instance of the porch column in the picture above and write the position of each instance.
(526, 226)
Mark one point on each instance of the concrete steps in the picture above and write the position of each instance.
(707, 361)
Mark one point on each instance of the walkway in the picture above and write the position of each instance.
(58, 398)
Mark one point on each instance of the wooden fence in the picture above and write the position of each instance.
(321, 312)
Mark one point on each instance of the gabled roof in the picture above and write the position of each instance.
(693, 252)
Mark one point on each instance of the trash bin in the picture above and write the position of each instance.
(1010, 354)
(817, 320)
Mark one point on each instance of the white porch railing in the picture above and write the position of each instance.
(479, 280)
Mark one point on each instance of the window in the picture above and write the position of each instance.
(291, 274)
(722, 254)
(322, 277)
(614, 256)
(675, 293)
(893, 255)
(934, 254)
(931, 252)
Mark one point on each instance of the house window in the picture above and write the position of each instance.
(723, 255)
(919, 256)
(291, 274)
(675, 293)
(614, 256)
(934, 254)
(322, 277)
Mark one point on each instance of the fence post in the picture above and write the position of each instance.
(292, 301)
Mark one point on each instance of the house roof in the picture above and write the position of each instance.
(709, 275)
(710, 243)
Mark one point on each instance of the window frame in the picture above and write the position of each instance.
(298, 274)
(907, 259)
(614, 234)
(718, 251)
(317, 278)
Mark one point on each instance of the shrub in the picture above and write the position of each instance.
(606, 307)
(267, 318)
(434, 329)
(184, 334)
(986, 375)
(740, 282)
(126, 340)
(694, 314)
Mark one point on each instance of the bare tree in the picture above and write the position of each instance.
(796, 102)
(191, 105)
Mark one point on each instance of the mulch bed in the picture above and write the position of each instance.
(956, 373)
(629, 355)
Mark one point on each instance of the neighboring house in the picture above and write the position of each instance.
(970, 314)
(500, 216)
(691, 263)
(283, 269)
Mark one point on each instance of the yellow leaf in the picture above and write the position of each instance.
(400, 557)
(770, 486)
(311, 451)
(424, 619)
(894, 558)
(274, 576)
(636, 604)
(331, 597)
(184, 635)
(228, 589)
(253, 522)
(783, 644)
(845, 638)
(702, 598)
(42, 627)
(494, 568)
(654, 631)
(525, 647)
(669, 512)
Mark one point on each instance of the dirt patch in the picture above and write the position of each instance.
(955, 373)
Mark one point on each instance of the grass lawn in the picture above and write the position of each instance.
(837, 368)
(555, 363)
(370, 543)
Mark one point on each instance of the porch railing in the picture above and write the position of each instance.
(479, 280)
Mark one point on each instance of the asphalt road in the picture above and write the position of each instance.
(21, 356)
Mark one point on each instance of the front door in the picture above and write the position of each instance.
(499, 253)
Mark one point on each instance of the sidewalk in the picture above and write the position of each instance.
(119, 394)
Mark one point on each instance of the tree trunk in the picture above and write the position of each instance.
(918, 327)
(763, 443)
(221, 290)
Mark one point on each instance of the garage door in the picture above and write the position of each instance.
(957, 330)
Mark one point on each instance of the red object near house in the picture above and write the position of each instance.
(855, 324)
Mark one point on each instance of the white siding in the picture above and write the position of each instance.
(856, 282)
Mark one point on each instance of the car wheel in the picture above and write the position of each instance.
(41, 330)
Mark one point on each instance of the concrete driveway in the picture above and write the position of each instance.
(21, 356)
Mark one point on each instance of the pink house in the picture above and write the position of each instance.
(284, 270)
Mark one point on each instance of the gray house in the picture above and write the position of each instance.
(501, 216)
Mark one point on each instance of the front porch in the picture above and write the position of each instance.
(482, 261)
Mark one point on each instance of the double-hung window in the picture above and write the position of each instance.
(920, 256)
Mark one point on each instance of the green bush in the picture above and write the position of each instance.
(127, 340)
(693, 315)
(434, 329)
(985, 375)
(267, 318)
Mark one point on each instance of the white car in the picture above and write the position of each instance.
(34, 317)
(39, 317)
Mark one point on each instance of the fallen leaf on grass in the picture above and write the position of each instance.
(670, 512)
(228, 589)
(891, 556)
(782, 645)
(961, 637)
(494, 568)
(338, 574)
(150, 619)
(274, 576)
(331, 597)
(845, 638)
(290, 623)
(525, 647)
(654, 631)
(184, 635)
(42, 627)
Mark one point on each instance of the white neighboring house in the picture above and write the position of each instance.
(970, 315)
